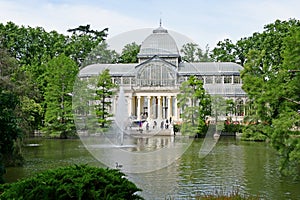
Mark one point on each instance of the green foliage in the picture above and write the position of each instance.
(31, 114)
(12, 119)
(218, 109)
(32, 49)
(129, 53)
(31, 45)
(193, 53)
(232, 128)
(73, 182)
(225, 51)
(195, 103)
(272, 83)
(60, 76)
(82, 41)
(10, 130)
(101, 54)
(253, 132)
(271, 80)
(104, 92)
(270, 41)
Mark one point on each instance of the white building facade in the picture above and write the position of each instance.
(152, 85)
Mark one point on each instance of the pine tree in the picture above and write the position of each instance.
(195, 103)
(60, 76)
(104, 92)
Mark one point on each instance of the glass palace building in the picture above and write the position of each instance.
(151, 85)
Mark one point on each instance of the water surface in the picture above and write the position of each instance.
(250, 168)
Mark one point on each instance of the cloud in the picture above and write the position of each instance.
(61, 17)
(205, 22)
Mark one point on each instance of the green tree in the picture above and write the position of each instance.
(10, 130)
(227, 51)
(195, 103)
(33, 48)
(218, 111)
(270, 41)
(285, 109)
(60, 77)
(271, 81)
(193, 53)
(104, 93)
(11, 116)
(82, 41)
(129, 53)
(101, 54)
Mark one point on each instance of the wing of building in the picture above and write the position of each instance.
(151, 86)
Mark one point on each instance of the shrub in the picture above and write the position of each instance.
(253, 132)
(73, 182)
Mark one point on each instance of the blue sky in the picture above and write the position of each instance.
(205, 22)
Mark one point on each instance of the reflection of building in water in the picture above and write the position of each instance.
(151, 86)
(147, 144)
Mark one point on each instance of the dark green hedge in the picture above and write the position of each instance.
(73, 182)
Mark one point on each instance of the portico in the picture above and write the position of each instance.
(153, 106)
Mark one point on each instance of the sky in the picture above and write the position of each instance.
(205, 22)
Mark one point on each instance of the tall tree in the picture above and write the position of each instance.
(61, 74)
(285, 132)
(129, 53)
(270, 41)
(225, 51)
(195, 105)
(10, 120)
(101, 54)
(33, 48)
(272, 84)
(83, 41)
(105, 91)
(193, 53)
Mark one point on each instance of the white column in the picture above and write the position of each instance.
(138, 112)
(159, 107)
(149, 106)
(129, 105)
(169, 107)
(115, 104)
(175, 108)
(244, 107)
(163, 103)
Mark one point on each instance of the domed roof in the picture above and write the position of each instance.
(159, 43)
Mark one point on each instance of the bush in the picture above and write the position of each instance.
(232, 128)
(253, 132)
(73, 182)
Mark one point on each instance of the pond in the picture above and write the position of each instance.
(233, 165)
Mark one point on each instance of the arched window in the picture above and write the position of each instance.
(156, 74)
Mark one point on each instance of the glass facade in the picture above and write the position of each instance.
(156, 74)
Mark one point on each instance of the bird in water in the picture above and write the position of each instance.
(118, 166)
